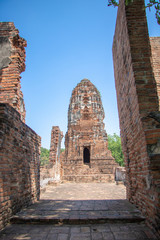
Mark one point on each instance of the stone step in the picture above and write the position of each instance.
(89, 178)
(79, 217)
(78, 211)
(89, 171)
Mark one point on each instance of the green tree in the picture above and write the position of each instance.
(114, 145)
(152, 3)
(62, 150)
(44, 157)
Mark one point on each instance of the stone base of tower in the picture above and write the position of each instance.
(99, 170)
(89, 178)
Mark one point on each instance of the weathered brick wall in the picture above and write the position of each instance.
(19, 164)
(155, 49)
(120, 174)
(47, 173)
(19, 145)
(138, 109)
(12, 63)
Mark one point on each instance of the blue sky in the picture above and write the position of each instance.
(67, 40)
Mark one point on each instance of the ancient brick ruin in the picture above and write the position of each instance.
(12, 63)
(155, 48)
(137, 90)
(19, 145)
(87, 157)
(51, 173)
(55, 151)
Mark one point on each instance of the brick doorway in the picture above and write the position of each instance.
(86, 155)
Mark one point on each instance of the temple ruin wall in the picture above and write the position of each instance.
(19, 144)
(12, 63)
(19, 164)
(155, 49)
(138, 107)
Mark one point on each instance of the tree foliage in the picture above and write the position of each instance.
(152, 3)
(114, 145)
(62, 150)
(44, 157)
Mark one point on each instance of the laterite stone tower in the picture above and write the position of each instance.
(87, 157)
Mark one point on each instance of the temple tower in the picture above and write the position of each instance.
(87, 157)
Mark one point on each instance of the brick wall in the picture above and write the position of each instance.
(19, 164)
(155, 48)
(12, 63)
(19, 145)
(138, 109)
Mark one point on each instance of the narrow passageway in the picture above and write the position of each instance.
(72, 211)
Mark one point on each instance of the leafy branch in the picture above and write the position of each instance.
(116, 4)
(156, 5)
(152, 3)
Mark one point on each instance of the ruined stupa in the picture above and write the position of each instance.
(86, 157)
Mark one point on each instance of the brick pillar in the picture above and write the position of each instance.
(55, 150)
(138, 107)
(155, 48)
(12, 63)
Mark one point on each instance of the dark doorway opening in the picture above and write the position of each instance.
(86, 155)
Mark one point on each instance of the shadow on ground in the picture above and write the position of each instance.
(79, 211)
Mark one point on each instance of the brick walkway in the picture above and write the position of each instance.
(95, 211)
(85, 191)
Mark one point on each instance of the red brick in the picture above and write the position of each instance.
(137, 77)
